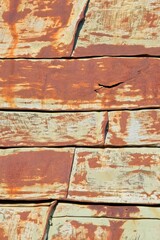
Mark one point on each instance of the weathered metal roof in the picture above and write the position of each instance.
(79, 120)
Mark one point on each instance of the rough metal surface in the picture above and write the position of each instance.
(120, 175)
(80, 228)
(80, 84)
(116, 27)
(22, 222)
(39, 28)
(52, 129)
(37, 173)
(125, 212)
(134, 128)
(79, 120)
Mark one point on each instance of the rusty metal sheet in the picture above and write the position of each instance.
(98, 210)
(85, 84)
(22, 222)
(71, 228)
(38, 28)
(52, 129)
(114, 27)
(116, 175)
(37, 173)
(134, 128)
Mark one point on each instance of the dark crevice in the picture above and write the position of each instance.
(48, 221)
(109, 86)
(70, 173)
(77, 111)
(53, 201)
(138, 72)
(79, 27)
(82, 57)
(80, 146)
(107, 203)
(106, 131)
(25, 201)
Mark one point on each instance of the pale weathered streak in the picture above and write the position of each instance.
(120, 28)
(134, 128)
(22, 222)
(72, 228)
(38, 173)
(80, 84)
(120, 175)
(125, 212)
(52, 129)
(39, 28)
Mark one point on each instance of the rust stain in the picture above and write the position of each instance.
(22, 221)
(21, 89)
(121, 176)
(38, 129)
(40, 29)
(12, 16)
(115, 211)
(37, 173)
(119, 28)
(134, 128)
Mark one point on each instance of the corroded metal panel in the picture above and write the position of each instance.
(23, 222)
(39, 28)
(134, 128)
(116, 175)
(36, 173)
(52, 129)
(84, 84)
(125, 212)
(120, 28)
(71, 228)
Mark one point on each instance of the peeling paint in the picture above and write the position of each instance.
(22, 222)
(79, 228)
(52, 129)
(39, 28)
(134, 128)
(71, 85)
(37, 174)
(120, 28)
(122, 175)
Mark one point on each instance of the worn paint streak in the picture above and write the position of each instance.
(71, 228)
(38, 173)
(53, 85)
(119, 176)
(22, 222)
(39, 28)
(120, 28)
(52, 129)
(134, 128)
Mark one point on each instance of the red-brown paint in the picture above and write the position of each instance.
(40, 167)
(55, 86)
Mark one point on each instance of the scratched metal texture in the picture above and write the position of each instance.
(80, 228)
(80, 84)
(52, 129)
(38, 28)
(132, 128)
(96, 222)
(116, 175)
(22, 221)
(116, 27)
(79, 120)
